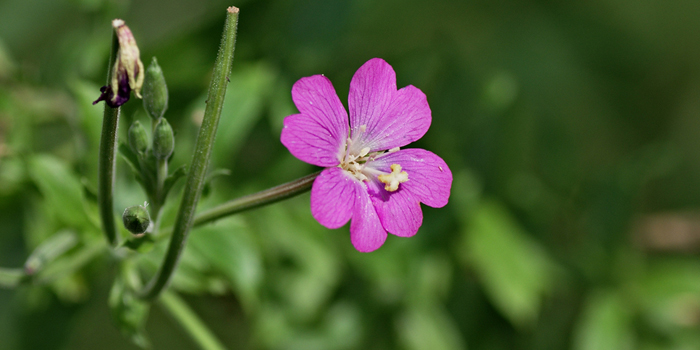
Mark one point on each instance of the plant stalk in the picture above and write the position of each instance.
(200, 158)
(107, 158)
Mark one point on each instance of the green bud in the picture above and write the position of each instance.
(136, 219)
(155, 92)
(138, 139)
(163, 140)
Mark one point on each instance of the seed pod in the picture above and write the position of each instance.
(138, 139)
(163, 139)
(155, 91)
(136, 219)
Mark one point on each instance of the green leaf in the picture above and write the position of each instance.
(606, 324)
(229, 248)
(128, 312)
(62, 191)
(428, 327)
(211, 176)
(670, 295)
(246, 96)
(515, 270)
(49, 250)
(172, 179)
(133, 160)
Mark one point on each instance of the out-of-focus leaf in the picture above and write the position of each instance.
(49, 250)
(340, 329)
(210, 177)
(62, 192)
(428, 327)
(246, 96)
(129, 313)
(194, 273)
(515, 270)
(11, 174)
(430, 278)
(172, 179)
(304, 268)
(670, 295)
(228, 246)
(606, 324)
(7, 66)
(387, 270)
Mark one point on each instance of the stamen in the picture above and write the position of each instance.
(393, 179)
(363, 152)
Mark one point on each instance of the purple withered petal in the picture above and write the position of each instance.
(429, 177)
(390, 118)
(317, 135)
(366, 231)
(123, 93)
(333, 196)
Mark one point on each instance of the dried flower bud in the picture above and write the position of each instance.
(136, 219)
(138, 139)
(163, 139)
(155, 91)
(127, 72)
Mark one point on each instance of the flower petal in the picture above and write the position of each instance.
(318, 134)
(399, 211)
(333, 197)
(429, 178)
(366, 231)
(391, 118)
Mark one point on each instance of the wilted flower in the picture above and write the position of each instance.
(367, 178)
(127, 72)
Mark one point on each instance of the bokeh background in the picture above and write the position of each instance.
(572, 129)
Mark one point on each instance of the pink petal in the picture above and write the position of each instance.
(318, 134)
(392, 118)
(429, 178)
(333, 197)
(399, 211)
(366, 231)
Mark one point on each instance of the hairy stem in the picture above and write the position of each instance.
(107, 159)
(200, 158)
(256, 200)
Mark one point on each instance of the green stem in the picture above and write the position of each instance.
(10, 278)
(200, 158)
(256, 200)
(161, 175)
(199, 332)
(65, 266)
(107, 159)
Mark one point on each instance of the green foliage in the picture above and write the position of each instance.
(571, 129)
(516, 272)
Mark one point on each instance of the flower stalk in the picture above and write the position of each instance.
(107, 159)
(200, 159)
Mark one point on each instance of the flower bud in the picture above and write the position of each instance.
(155, 91)
(127, 72)
(138, 140)
(136, 219)
(163, 139)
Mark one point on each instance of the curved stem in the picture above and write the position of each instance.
(107, 159)
(256, 200)
(189, 321)
(200, 158)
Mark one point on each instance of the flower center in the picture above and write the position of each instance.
(355, 162)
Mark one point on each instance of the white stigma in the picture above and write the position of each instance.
(393, 179)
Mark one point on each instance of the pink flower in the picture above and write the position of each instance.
(367, 178)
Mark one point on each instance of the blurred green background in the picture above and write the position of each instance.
(572, 130)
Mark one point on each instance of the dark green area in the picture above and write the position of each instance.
(572, 130)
